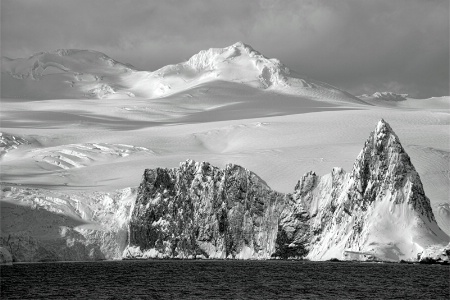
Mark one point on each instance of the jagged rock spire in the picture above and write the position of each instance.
(383, 166)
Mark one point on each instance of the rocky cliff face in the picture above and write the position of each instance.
(200, 210)
(379, 209)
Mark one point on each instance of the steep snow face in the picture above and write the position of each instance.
(377, 211)
(379, 208)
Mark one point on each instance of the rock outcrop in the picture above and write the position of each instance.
(379, 210)
(201, 210)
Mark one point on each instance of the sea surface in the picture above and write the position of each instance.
(210, 279)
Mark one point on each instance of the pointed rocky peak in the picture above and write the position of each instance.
(383, 144)
(383, 169)
(382, 150)
(383, 126)
(384, 134)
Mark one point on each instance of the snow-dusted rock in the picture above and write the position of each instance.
(379, 210)
(435, 254)
(379, 207)
(41, 225)
(198, 209)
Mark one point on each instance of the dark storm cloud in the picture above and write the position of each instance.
(361, 46)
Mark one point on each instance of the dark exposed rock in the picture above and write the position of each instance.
(198, 209)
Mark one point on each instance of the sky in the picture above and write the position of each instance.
(361, 46)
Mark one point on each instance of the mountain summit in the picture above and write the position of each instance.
(64, 74)
(383, 164)
(378, 208)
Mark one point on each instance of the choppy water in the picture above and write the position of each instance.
(175, 279)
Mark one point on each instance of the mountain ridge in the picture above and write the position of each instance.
(99, 76)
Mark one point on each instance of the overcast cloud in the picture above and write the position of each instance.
(360, 46)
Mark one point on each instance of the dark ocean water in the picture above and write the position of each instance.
(176, 279)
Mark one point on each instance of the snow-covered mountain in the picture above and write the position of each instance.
(386, 96)
(63, 74)
(377, 211)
